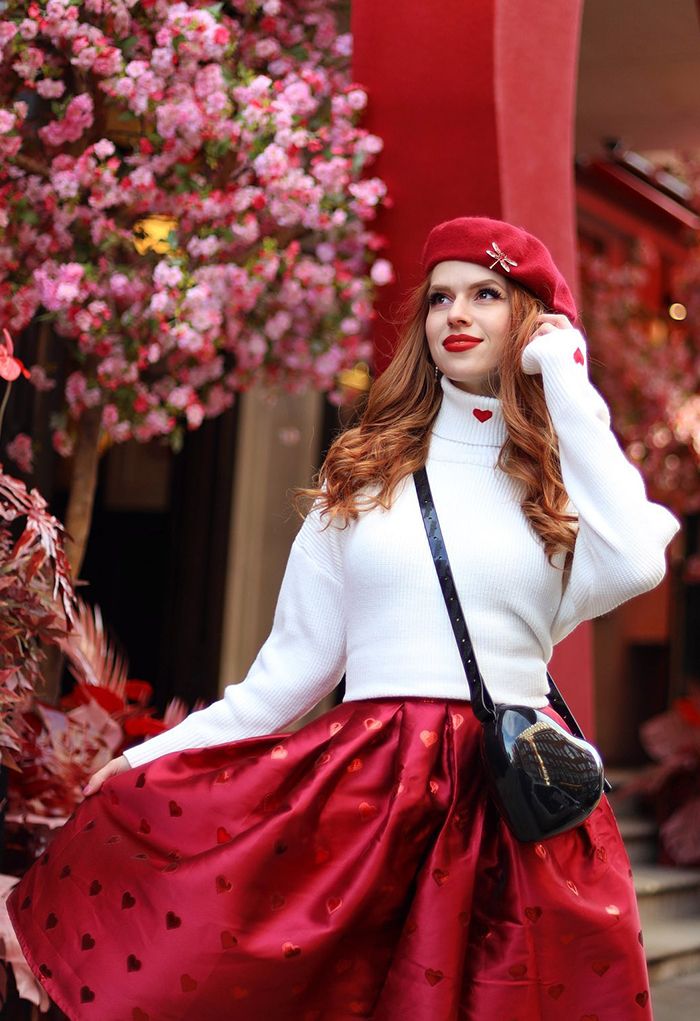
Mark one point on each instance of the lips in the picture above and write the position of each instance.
(460, 342)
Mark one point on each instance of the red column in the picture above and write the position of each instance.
(475, 102)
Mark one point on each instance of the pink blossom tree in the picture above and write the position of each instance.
(647, 366)
(230, 129)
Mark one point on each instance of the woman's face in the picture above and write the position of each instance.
(468, 322)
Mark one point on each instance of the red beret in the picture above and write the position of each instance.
(507, 250)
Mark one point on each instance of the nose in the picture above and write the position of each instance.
(459, 312)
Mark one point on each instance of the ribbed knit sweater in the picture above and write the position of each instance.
(364, 600)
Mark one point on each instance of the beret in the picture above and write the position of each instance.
(508, 250)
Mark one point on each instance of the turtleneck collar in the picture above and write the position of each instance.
(469, 418)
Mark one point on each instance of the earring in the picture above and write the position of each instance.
(436, 372)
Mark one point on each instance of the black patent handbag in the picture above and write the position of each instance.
(543, 779)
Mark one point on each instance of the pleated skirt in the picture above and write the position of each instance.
(354, 869)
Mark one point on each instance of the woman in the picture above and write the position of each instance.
(357, 867)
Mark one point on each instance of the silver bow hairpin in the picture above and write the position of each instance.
(499, 257)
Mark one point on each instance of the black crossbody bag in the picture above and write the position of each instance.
(543, 779)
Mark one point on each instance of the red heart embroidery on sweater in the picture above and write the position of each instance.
(578, 356)
(95, 887)
(440, 876)
(187, 983)
(372, 724)
(172, 921)
(86, 995)
(45, 970)
(482, 415)
(140, 782)
(128, 900)
(556, 991)
(144, 826)
(600, 967)
(139, 1015)
(174, 809)
(333, 903)
(133, 963)
(223, 836)
(51, 921)
(642, 999)
(433, 976)
(87, 942)
(428, 737)
(240, 992)
(277, 901)
(228, 940)
(65, 872)
(290, 949)
(533, 914)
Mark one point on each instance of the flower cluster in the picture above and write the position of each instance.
(190, 202)
(62, 746)
(37, 599)
(647, 366)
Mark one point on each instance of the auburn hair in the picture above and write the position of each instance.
(366, 462)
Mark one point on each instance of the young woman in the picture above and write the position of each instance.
(358, 868)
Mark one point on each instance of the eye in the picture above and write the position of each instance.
(492, 292)
(436, 298)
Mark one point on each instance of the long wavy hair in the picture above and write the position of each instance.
(366, 462)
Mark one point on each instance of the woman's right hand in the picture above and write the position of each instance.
(118, 765)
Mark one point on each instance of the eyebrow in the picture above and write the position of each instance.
(487, 281)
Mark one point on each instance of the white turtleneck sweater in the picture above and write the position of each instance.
(365, 600)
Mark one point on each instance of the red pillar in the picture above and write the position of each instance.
(475, 102)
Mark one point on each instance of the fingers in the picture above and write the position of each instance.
(118, 765)
(547, 322)
(554, 320)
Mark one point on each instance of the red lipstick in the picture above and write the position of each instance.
(460, 342)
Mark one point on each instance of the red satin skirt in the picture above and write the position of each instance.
(353, 869)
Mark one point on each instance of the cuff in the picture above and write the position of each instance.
(561, 357)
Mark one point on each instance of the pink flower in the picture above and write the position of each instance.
(40, 380)
(77, 118)
(21, 452)
(167, 275)
(382, 272)
(357, 99)
(62, 442)
(7, 121)
(103, 149)
(50, 88)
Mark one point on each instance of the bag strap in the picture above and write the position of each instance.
(482, 703)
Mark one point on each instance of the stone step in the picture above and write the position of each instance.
(672, 948)
(665, 893)
(640, 836)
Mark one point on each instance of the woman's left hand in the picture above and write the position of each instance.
(538, 350)
(547, 322)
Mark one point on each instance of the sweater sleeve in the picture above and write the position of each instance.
(622, 536)
(301, 661)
